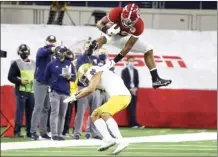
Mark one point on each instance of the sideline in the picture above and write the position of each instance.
(73, 143)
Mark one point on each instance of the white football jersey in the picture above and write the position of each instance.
(110, 82)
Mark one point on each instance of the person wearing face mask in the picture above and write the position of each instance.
(21, 73)
(58, 75)
(73, 89)
(130, 77)
(42, 105)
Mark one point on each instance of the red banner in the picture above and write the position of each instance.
(155, 108)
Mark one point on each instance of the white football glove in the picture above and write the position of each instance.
(112, 30)
(109, 64)
(70, 99)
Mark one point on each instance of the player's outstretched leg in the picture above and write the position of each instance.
(156, 80)
(102, 128)
(114, 129)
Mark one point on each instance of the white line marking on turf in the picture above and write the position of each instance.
(154, 145)
(85, 152)
(128, 148)
(157, 147)
(93, 142)
(200, 149)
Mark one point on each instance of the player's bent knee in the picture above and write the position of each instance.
(105, 116)
(94, 116)
(149, 52)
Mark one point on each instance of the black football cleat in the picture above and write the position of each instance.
(160, 82)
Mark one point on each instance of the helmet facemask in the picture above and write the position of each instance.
(128, 22)
(82, 74)
(84, 80)
(130, 15)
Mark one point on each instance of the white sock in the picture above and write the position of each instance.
(112, 125)
(102, 128)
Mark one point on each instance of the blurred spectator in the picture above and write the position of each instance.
(57, 7)
(130, 77)
(58, 75)
(73, 89)
(42, 104)
(84, 61)
(21, 73)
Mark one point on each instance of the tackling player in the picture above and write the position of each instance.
(127, 26)
(99, 77)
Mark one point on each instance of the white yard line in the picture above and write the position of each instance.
(178, 145)
(127, 153)
(73, 143)
(200, 149)
(154, 145)
(129, 148)
(134, 146)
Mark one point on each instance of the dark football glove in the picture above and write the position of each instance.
(92, 47)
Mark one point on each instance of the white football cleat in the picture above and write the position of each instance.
(120, 147)
(106, 145)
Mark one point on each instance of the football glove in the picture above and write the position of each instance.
(113, 30)
(92, 47)
(109, 64)
(70, 99)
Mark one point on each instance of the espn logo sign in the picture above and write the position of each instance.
(169, 61)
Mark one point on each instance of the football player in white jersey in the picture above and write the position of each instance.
(120, 97)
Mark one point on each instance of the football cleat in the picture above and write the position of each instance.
(161, 82)
(107, 145)
(120, 148)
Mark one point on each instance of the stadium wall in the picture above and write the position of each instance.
(189, 58)
(178, 19)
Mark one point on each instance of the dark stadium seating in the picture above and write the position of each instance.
(103, 3)
(141, 4)
(209, 5)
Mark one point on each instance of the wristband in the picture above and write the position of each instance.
(118, 58)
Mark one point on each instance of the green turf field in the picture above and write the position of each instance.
(197, 148)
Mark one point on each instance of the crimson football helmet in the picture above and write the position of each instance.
(130, 15)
